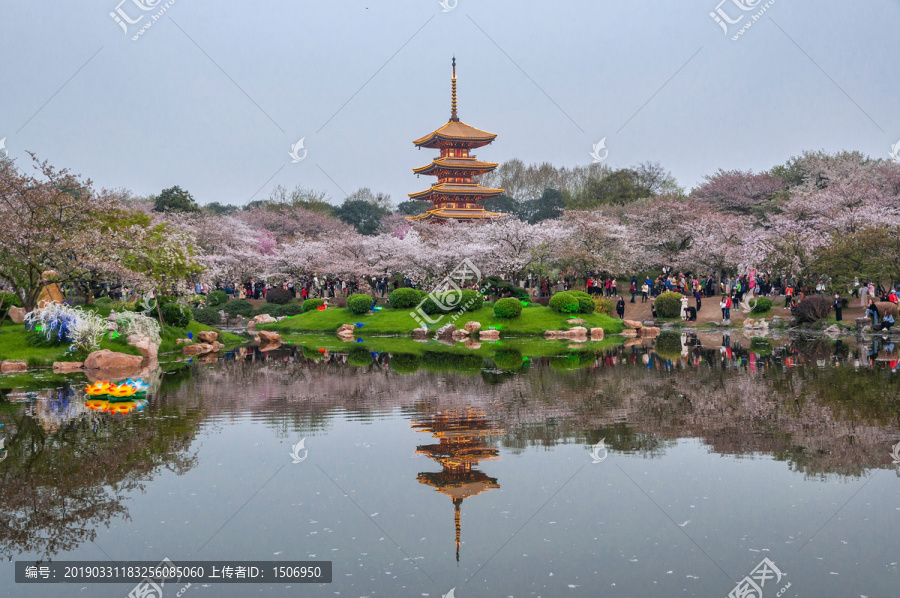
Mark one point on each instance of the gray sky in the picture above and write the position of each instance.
(213, 95)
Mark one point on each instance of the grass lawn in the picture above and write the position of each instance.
(14, 344)
(534, 321)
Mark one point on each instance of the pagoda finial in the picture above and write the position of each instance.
(456, 519)
(453, 116)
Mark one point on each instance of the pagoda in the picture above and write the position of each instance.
(455, 195)
(462, 445)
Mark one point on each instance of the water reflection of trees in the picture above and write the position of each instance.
(68, 469)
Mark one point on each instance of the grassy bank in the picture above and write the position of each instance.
(533, 321)
(15, 345)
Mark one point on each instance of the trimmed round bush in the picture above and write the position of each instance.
(359, 303)
(668, 305)
(472, 300)
(290, 309)
(405, 363)
(564, 302)
(278, 296)
(177, 315)
(761, 305)
(508, 308)
(103, 301)
(217, 298)
(404, 298)
(585, 302)
(604, 305)
(311, 304)
(206, 315)
(241, 307)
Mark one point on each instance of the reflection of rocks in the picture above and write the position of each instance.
(489, 335)
(143, 370)
(202, 348)
(629, 333)
(472, 344)
(62, 367)
(420, 334)
(459, 335)
(9, 366)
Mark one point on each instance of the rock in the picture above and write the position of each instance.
(630, 333)
(17, 315)
(110, 360)
(575, 321)
(347, 327)
(792, 322)
(446, 331)
(148, 349)
(632, 324)
(420, 333)
(473, 327)
(489, 335)
(832, 330)
(863, 322)
(183, 341)
(579, 332)
(596, 334)
(460, 334)
(61, 367)
(202, 348)
(223, 317)
(262, 319)
(471, 343)
(776, 322)
(633, 342)
(649, 322)
(866, 329)
(208, 336)
(269, 337)
(251, 325)
(9, 366)
(649, 332)
(555, 334)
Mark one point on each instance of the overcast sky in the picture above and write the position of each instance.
(213, 95)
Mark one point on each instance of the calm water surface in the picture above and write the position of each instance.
(436, 470)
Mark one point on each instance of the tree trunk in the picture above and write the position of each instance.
(159, 313)
(2, 299)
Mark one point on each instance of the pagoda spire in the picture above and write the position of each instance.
(453, 115)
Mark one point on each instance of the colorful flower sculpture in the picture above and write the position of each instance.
(121, 390)
(97, 388)
(139, 384)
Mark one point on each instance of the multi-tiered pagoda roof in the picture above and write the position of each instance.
(456, 194)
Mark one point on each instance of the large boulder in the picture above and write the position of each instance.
(555, 334)
(62, 367)
(17, 315)
(9, 366)
(263, 319)
(346, 328)
(148, 349)
(420, 333)
(632, 324)
(269, 337)
(460, 334)
(577, 332)
(630, 333)
(446, 331)
(596, 334)
(105, 359)
(473, 327)
(202, 348)
(208, 336)
(863, 322)
(649, 332)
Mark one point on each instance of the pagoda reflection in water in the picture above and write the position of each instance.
(462, 436)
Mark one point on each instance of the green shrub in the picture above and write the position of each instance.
(311, 304)
(278, 296)
(761, 346)
(436, 361)
(290, 309)
(9, 300)
(573, 361)
(206, 315)
(497, 287)
(508, 308)
(404, 298)
(761, 305)
(604, 305)
(241, 307)
(177, 315)
(103, 301)
(564, 302)
(585, 302)
(359, 303)
(472, 300)
(668, 305)
(668, 345)
(508, 359)
(271, 310)
(405, 363)
(217, 298)
(359, 356)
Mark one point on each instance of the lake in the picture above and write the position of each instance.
(525, 469)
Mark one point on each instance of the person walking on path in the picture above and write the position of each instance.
(838, 307)
(645, 290)
(633, 288)
(620, 308)
(863, 291)
(698, 296)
